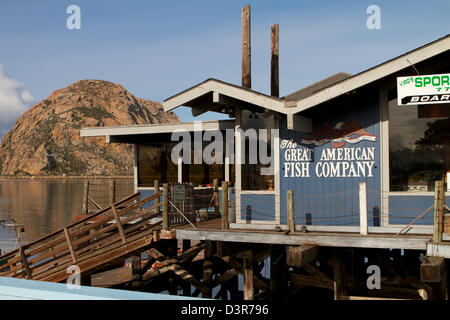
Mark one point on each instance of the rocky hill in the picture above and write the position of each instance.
(45, 140)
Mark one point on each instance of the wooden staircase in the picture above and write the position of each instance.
(99, 240)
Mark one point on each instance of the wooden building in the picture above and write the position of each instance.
(344, 150)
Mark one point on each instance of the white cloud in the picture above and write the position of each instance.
(14, 101)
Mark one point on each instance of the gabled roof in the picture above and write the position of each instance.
(216, 95)
(373, 74)
(311, 89)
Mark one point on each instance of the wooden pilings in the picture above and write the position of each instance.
(278, 272)
(246, 48)
(225, 224)
(248, 270)
(207, 271)
(339, 281)
(274, 61)
(85, 197)
(112, 191)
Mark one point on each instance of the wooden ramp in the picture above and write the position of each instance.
(104, 238)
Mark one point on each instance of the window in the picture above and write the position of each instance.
(419, 146)
(154, 163)
(251, 174)
(203, 174)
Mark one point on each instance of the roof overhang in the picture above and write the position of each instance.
(376, 73)
(131, 133)
(219, 96)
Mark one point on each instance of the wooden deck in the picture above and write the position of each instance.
(211, 230)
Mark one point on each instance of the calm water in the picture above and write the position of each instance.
(42, 206)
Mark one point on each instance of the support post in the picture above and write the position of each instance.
(246, 48)
(156, 184)
(112, 191)
(278, 272)
(216, 196)
(274, 61)
(249, 291)
(339, 278)
(225, 224)
(85, 197)
(165, 214)
(439, 198)
(25, 263)
(207, 271)
(290, 210)
(363, 209)
(186, 285)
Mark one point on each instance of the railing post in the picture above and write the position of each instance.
(156, 184)
(216, 195)
(165, 214)
(362, 209)
(290, 210)
(112, 191)
(225, 224)
(84, 210)
(439, 198)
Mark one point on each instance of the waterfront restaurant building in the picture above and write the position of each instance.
(331, 136)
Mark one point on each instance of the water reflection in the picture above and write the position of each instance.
(42, 206)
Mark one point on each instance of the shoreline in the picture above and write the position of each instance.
(62, 177)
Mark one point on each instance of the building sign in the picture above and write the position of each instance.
(344, 159)
(427, 89)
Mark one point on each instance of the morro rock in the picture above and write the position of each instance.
(46, 140)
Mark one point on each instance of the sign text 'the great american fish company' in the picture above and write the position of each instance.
(338, 161)
(333, 163)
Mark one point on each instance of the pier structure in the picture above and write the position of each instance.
(346, 198)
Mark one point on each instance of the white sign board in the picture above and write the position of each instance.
(426, 89)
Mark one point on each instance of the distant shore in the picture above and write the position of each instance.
(62, 177)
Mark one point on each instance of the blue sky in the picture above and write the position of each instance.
(157, 48)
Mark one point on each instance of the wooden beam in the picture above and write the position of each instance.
(290, 210)
(84, 210)
(433, 270)
(363, 209)
(347, 240)
(70, 245)
(339, 283)
(165, 214)
(439, 200)
(278, 272)
(300, 255)
(156, 185)
(119, 224)
(25, 263)
(113, 277)
(229, 274)
(249, 291)
(274, 61)
(207, 278)
(246, 48)
(225, 224)
(301, 280)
